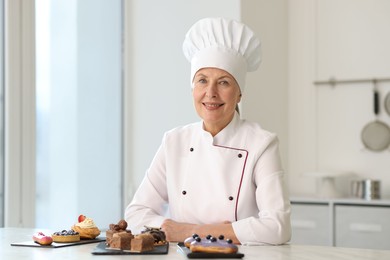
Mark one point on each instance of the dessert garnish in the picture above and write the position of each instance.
(81, 218)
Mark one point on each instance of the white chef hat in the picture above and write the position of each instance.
(225, 44)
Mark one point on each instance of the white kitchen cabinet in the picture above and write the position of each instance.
(353, 223)
(311, 224)
(362, 226)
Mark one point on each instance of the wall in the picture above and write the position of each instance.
(158, 79)
(345, 40)
(157, 82)
(19, 116)
(2, 126)
(265, 98)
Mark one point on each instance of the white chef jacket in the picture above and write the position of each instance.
(234, 176)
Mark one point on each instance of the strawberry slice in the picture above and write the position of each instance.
(81, 218)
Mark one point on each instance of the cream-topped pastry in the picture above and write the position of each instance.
(86, 223)
(86, 228)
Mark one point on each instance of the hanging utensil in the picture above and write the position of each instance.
(387, 103)
(376, 134)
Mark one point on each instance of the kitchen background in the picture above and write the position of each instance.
(319, 125)
(303, 41)
(341, 40)
(91, 85)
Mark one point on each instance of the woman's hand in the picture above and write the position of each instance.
(178, 232)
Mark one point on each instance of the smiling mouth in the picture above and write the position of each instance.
(212, 106)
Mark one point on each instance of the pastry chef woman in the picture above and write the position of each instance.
(222, 175)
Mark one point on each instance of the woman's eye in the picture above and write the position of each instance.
(201, 82)
(224, 82)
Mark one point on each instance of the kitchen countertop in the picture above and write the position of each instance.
(13, 235)
(349, 201)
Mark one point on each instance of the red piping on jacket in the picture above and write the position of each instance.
(242, 176)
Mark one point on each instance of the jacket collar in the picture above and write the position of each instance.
(226, 134)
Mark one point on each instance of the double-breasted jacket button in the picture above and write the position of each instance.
(184, 192)
(239, 155)
(191, 149)
(231, 198)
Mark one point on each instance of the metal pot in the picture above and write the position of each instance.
(367, 189)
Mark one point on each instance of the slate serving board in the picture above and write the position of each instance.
(31, 243)
(101, 249)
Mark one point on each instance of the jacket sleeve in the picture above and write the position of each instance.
(272, 225)
(149, 204)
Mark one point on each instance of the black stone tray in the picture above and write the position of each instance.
(189, 254)
(101, 249)
(31, 243)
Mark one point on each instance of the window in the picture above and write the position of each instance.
(78, 111)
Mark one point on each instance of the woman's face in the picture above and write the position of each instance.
(216, 94)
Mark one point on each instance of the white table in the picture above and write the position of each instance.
(12, 235)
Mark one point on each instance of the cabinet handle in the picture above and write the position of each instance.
(363, 227)
(304, 224)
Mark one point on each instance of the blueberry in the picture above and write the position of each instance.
(221, 237)
(229, 241)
